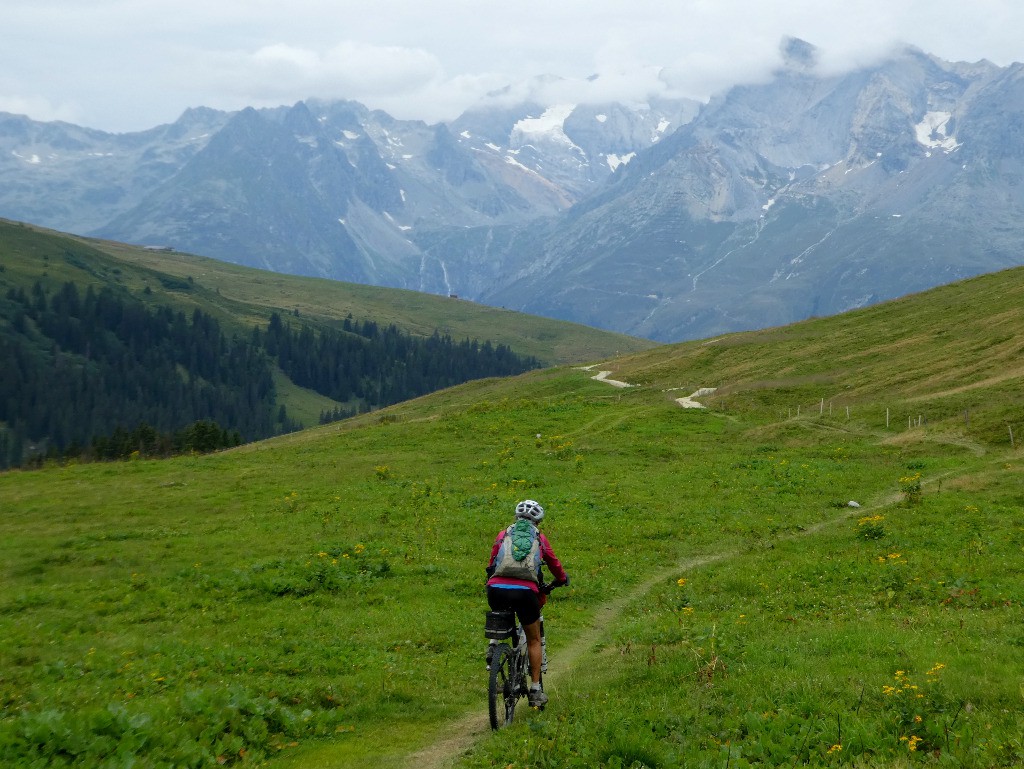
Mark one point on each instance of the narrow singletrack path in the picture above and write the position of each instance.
(462, 734)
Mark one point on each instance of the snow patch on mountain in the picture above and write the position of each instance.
(31, 159)
(931, 132)
(614, 161)
(549, 126)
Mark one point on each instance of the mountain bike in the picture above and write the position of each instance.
(509, 665)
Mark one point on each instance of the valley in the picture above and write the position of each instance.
(316, 599)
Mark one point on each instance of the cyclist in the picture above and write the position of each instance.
(525, 597)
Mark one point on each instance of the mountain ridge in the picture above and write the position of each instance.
(810, 193)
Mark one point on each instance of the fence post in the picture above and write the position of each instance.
(887, 419)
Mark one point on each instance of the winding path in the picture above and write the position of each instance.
(687, 402)
(461, 735)
(464, 733)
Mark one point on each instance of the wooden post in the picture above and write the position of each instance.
(821, 410)
(1011, 436)
(887, 419)
(847, 412)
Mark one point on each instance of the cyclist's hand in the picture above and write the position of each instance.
(547, 588)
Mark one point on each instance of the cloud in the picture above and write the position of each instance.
(408, 83)
(39, 108)
(110, 63)
(350, 70)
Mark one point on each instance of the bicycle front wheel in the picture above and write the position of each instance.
(502, 690)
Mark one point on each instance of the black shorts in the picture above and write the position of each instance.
(525, 603)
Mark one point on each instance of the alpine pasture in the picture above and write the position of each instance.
(316, 600)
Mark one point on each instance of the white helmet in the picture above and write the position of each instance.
(530, 510)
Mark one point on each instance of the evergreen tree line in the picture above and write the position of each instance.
(337, 414)
(102, 376)
(381, 366)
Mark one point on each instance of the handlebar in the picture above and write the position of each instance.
(547, 587)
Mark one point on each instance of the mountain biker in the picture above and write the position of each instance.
(525, 597)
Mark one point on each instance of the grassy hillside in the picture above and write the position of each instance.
(316, 600)
(951, 358)
(241, 296)
(336, 351)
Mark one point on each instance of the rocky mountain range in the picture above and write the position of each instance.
(808, 194)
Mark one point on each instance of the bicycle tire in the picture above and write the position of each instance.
(502, 688)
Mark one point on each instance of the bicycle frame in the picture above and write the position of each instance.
(509, 676)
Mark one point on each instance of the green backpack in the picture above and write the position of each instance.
(519, 553)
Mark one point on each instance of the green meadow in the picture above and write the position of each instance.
(242, 297)
(317, 600)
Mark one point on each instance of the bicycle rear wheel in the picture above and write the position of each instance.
(502, 688)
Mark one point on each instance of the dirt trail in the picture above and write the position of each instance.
(602, 376)
(463, 733)
(687, 402)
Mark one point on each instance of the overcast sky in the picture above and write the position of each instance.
(127, 65)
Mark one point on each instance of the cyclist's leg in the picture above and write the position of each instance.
(526, 605)
(537, 697)
(534, 649)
